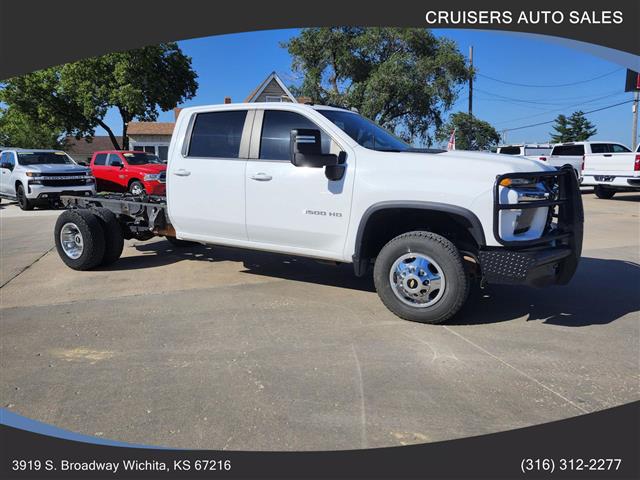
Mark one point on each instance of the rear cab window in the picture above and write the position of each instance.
(531, 151)
(510, 150)
(568, 150)
(217, 134)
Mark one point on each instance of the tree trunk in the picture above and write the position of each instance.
(113, 138)
(125, 139)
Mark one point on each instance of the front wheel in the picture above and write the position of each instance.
(604, 192)
(420, 277)
(23, 202)
(136, 188)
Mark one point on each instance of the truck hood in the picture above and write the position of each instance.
(484, 163)
(56, 168)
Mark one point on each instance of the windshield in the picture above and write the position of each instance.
(365, 132)
(141, 158)
(44, 158)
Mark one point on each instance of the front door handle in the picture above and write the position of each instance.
(182, 173)
(261, 177)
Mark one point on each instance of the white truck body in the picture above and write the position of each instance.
(326, 183)
(613, 170)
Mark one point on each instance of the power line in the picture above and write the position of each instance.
(551, 121)
(528, 85)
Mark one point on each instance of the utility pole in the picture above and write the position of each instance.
(634, 128)
(471, 80)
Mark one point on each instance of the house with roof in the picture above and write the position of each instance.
(154, 137)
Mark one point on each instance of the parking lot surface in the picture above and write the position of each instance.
(220, 348)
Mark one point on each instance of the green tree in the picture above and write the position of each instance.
(19, 130)
(576, 128)
(402, 78)
(471, 132)
(563, 130)
(581, 128)
(78, 95)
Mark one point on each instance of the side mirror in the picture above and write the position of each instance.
(117, 164)
(82, 163)
(306, 149)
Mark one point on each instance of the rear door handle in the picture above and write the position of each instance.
(182, 173)
(607, 154)
(261, 177)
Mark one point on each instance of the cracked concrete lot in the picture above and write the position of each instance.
(227, 349)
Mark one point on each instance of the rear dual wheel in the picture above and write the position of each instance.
(86, 239)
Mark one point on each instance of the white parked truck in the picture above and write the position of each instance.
(327, 183)
(573, 153)
(615, 170)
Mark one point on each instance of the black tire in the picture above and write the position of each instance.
(90, 228)
(23, 202)
(136, 184)
(604, 192)
(113, 237)
(445, 254)
(176, 242)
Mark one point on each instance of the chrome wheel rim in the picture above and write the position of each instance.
(417, 280)
(71, 240)
(137, 189)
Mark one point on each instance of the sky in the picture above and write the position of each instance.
(233, 65)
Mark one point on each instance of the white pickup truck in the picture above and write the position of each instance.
(327, 183)
(615, 170)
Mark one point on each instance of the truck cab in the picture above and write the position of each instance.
(327, 183)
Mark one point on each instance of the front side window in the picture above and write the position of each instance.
(616, 148)
(114, 160)
(44, 158)
(367, 133)
(217, 134)
(7, 160)
(276, 134)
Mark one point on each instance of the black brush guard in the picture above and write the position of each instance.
(550, 259)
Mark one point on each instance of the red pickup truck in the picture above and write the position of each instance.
(129, 171)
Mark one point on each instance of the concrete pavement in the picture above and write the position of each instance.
(221, 348)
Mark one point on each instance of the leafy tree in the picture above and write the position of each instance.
(19, 130)
(581, 128)
(403, 78)
(471, 132)
(78, 95)
(576, 128)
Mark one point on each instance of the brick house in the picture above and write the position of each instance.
(154, 137)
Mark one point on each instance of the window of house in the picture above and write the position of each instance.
(276, 134)
(163, 152)
(217, 134)
(101, 159)
(273, 98)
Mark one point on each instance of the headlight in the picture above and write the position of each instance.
(33, 174)
(525, 223)
(152, 177)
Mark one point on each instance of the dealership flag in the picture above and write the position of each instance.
(452, 141)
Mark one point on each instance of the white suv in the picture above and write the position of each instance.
(39, 177)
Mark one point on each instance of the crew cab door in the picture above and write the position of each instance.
(205, 178)
(294, 208)
(7, 164)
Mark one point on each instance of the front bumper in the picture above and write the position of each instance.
(42, 192)
(155, 188)
(551, 259)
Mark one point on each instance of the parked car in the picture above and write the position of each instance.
(613, 171)
(135, 172)
(573, 153)
(532, 151)
(39, 177)
(329, 184)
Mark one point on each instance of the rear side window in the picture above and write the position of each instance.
(217, 134)
(569, 150)
(276, 134)
(599, 148)
(510, 150)
(101, 159)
